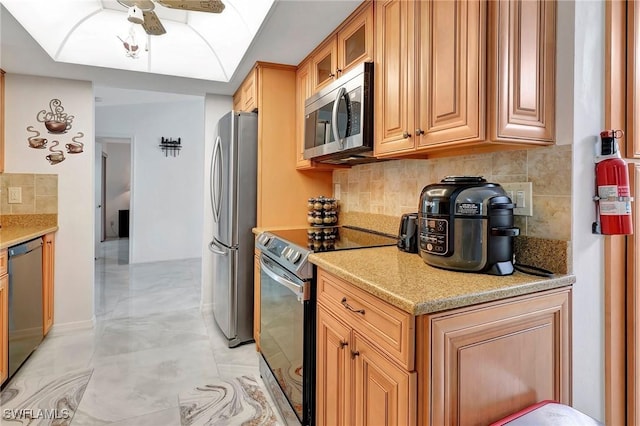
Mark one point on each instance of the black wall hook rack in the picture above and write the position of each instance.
(170, 146)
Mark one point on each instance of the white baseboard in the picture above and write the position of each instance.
(70, 327)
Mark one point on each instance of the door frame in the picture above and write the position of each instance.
(622, 377)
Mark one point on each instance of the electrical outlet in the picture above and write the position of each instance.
(15, 195)
(521, 193)
(336, 191)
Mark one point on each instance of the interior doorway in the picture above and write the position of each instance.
(113, 189)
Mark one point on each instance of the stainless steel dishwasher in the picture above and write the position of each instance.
(25, 301)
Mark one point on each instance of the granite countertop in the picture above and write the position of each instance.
(10, 236)
(16, 229)
(405, 281)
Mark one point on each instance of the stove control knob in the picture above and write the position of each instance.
(286, 252)
(295, 256)
(264, 239)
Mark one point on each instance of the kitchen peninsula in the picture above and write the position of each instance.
(406, 342)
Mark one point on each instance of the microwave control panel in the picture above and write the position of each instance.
(434, 238)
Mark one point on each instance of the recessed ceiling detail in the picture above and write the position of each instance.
(197, 44)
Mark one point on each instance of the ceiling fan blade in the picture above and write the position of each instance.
(212, 6)
(152, 24)
(144, 5)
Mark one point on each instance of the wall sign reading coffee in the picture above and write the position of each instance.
(56, 122)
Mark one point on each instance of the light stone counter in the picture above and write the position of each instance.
(12, 235)
(405, 281)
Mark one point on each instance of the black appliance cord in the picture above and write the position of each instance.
(533, 270)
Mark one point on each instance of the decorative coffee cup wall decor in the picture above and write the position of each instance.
(57, 155)
(35, 141)
(75, 147)
(55, 120)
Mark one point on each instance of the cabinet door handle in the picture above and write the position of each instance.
(406, 135)
(419, 132)
(338, 70)
(354, 354)
(332, 75)
(351, 308)
(343, 344)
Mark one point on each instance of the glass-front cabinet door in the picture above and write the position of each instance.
(324, 64)
(355, 40)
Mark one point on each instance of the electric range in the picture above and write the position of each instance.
(288, 306)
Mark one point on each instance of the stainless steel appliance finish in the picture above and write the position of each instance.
(287, 322)
(466, 224)
(25, 301)
(233, 202)
(339, 119)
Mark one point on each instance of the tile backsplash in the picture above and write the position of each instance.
(393, 187)
(39, 193)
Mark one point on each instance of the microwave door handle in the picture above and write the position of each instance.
(297, 289)
(334, 116)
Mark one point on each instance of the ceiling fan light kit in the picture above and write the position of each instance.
(135, 15)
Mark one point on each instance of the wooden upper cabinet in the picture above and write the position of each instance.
(456, 75)
(303, 91)
(394, 96)
(324, 63)
(246, 97)
(522, 46)
(450, 100)
(1, 121)
(355, 39)
(349, 45)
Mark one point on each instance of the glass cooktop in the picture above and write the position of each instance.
(334, 238)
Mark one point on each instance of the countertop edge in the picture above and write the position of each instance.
(536, 284)
(29, 233)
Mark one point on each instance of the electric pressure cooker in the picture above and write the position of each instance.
(466, 224)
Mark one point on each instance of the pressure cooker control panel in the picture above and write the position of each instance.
(434, 238)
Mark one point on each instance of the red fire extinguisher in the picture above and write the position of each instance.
(612, 182)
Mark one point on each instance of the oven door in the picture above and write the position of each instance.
(284, 305)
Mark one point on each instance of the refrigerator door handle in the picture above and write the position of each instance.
(216, 179)
(215, 248)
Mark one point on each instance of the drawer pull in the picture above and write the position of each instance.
(343, 344)
(351, 308)
(354, 354)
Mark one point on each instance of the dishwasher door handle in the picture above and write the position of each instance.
(25, 248)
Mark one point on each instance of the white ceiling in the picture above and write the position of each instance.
(290, 31)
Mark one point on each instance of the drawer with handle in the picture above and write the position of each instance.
(388, 327)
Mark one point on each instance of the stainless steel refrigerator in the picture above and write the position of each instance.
(233, 201)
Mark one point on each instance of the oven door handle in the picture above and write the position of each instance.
(297, 289)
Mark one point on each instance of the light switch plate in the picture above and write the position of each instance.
(15, 195)
(521, 193)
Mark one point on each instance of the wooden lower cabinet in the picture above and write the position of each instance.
(473, 365)
(48, 255)
(482, 363)
(4, 327)
(357, 384)
(385, 394)
(364, 365)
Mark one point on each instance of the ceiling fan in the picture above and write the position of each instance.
(141, 11)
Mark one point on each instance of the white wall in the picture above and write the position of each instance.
(118, 184)
(215, 107)
(166, 192)
(588, 253)
(25, 96)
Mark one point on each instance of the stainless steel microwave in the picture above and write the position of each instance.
(338, 126)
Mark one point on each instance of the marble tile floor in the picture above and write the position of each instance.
(151, 355)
